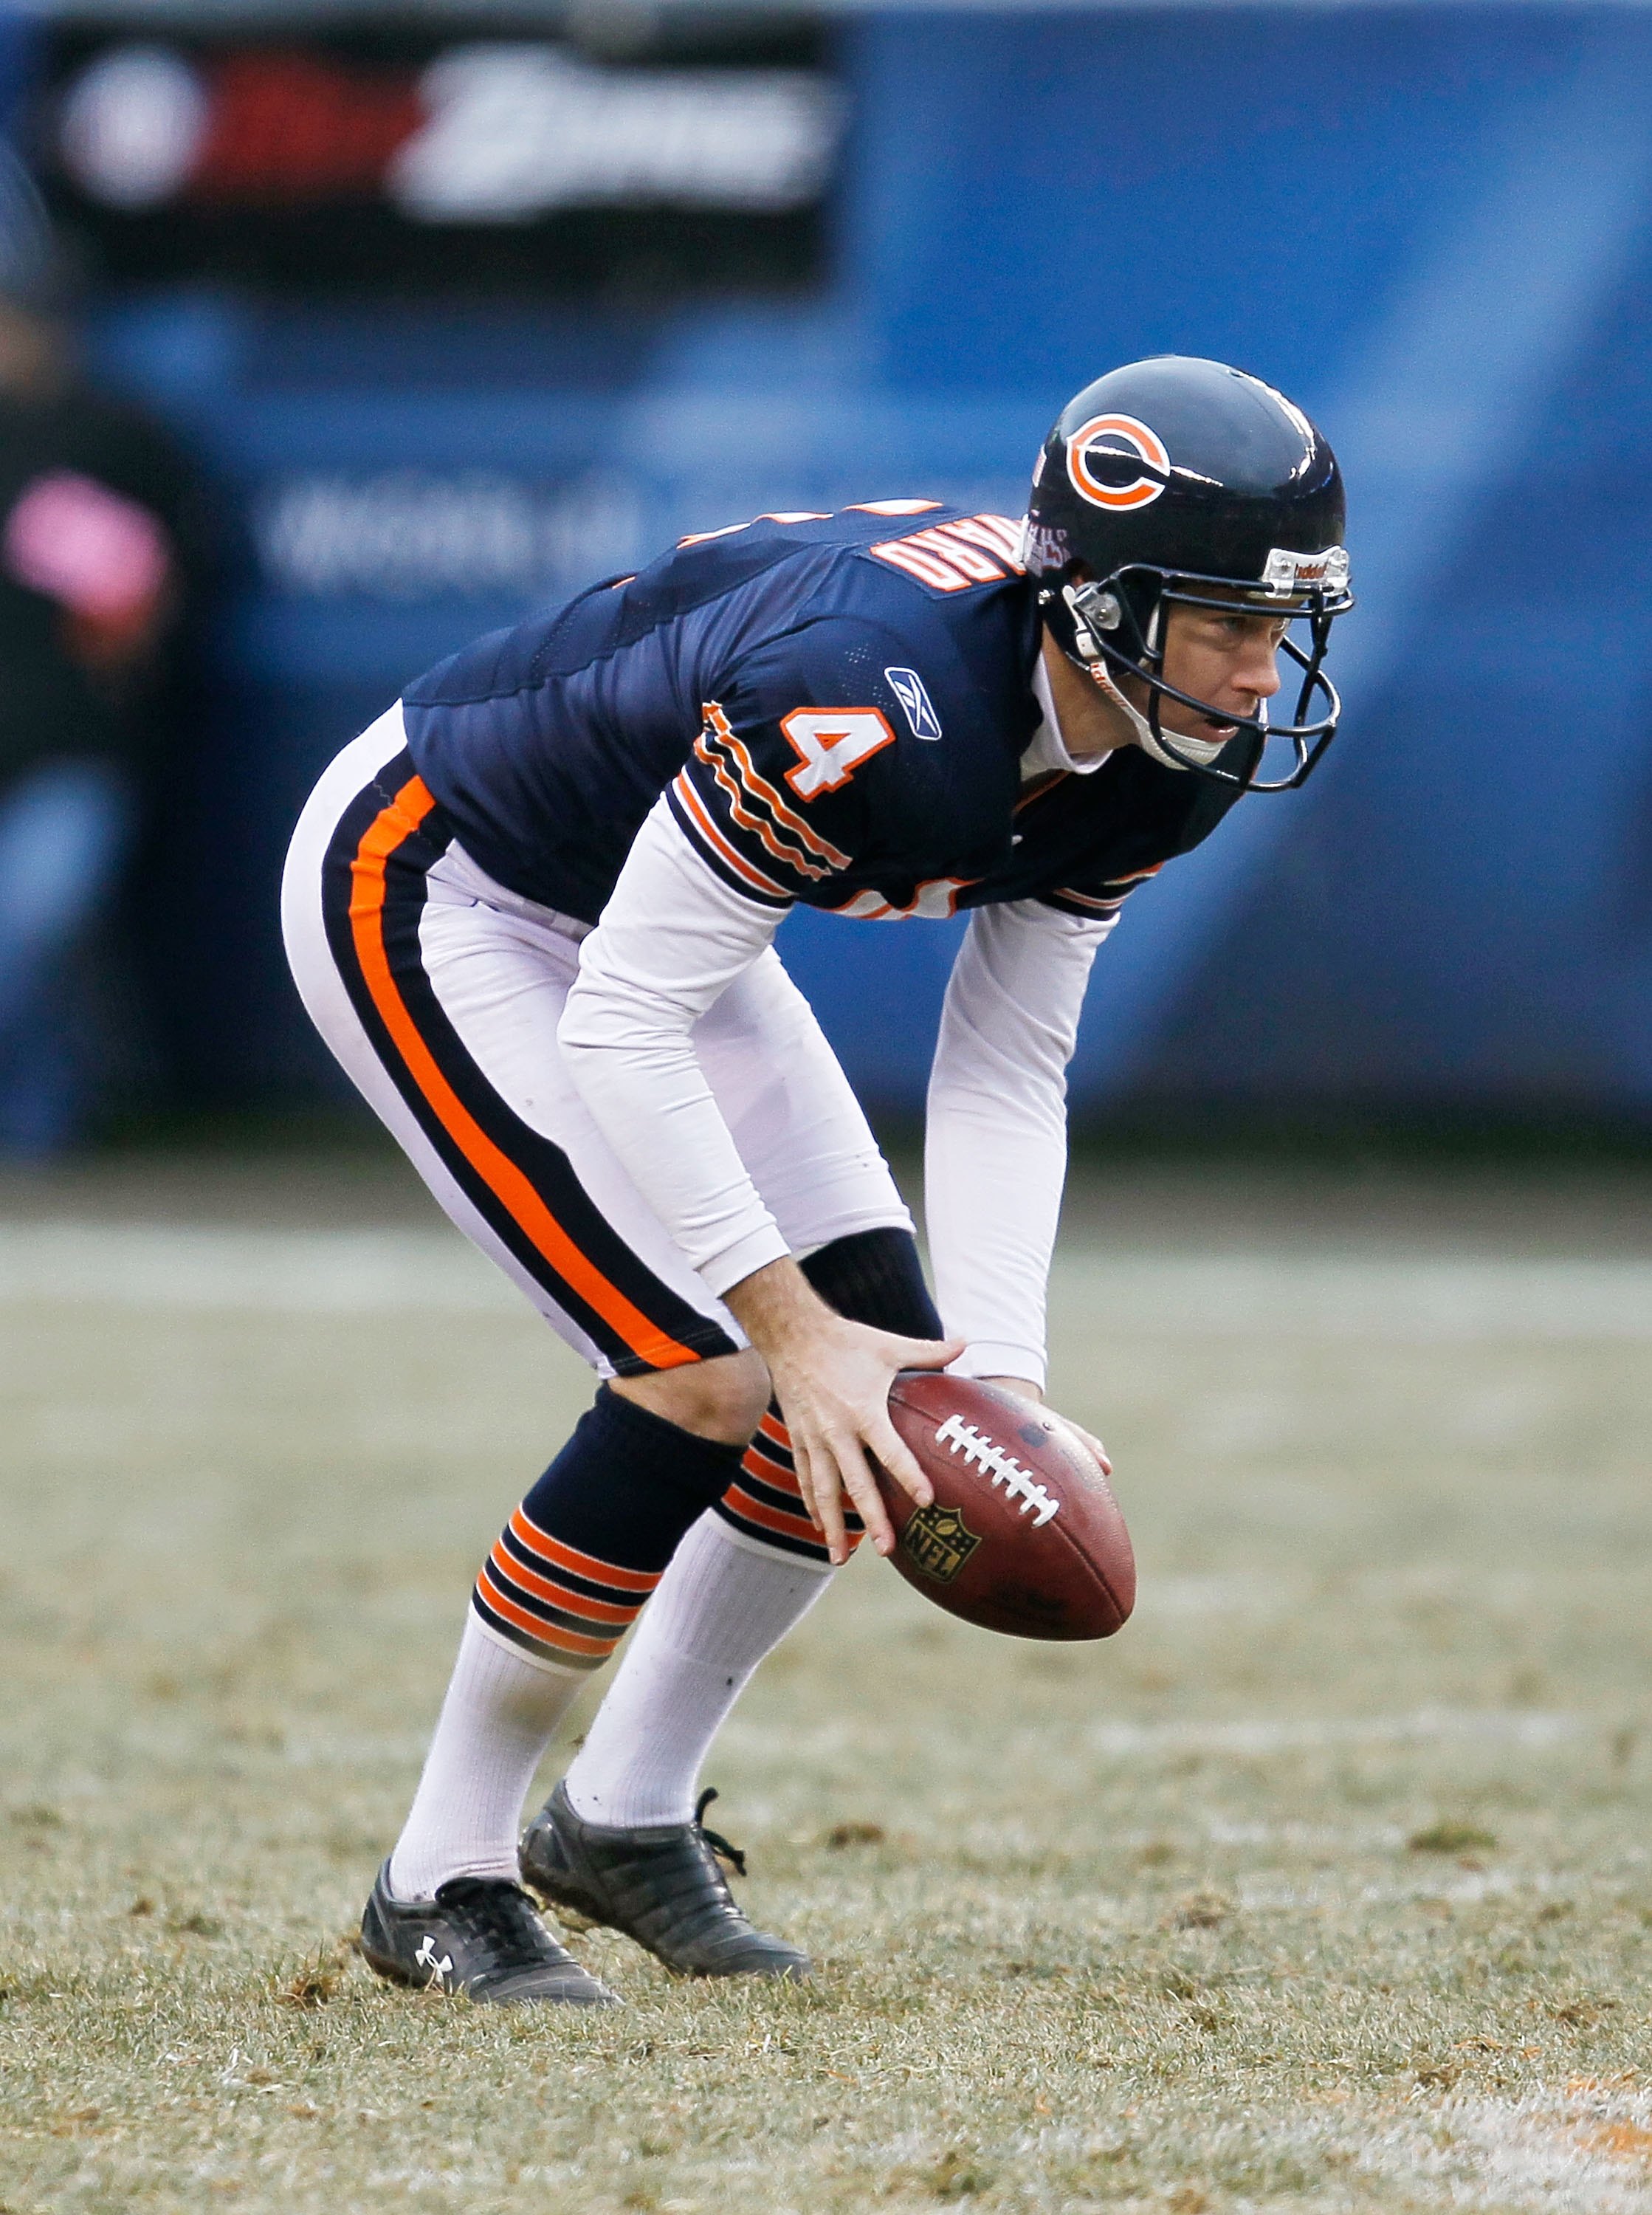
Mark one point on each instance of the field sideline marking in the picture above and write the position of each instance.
(1285, 1734)
(1380, 1291)
(1383, 1292)
(1241, 1735)
(214, 1267)
(1544, 2150)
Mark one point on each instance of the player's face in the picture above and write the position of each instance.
(1231, 661)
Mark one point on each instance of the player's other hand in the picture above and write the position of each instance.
(832, 1377)
(1025, 1390)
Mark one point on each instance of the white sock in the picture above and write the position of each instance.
(500, 1712)
(721, 1606)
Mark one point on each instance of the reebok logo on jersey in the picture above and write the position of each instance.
(915, 704)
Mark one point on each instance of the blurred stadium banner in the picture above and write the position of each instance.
(471, 309)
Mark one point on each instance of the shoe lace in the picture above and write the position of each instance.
(718, 1845)
(500, 1913)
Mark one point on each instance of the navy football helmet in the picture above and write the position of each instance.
(1178, 479)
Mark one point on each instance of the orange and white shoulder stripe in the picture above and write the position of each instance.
(1089, 902)
(698, 821)
(719, 736)
(780, 849)
(935, 900)
(785, 515)
(1114, 893)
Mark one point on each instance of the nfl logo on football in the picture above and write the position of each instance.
(939, 1542)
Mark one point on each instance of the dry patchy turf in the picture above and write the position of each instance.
(1326, 1886)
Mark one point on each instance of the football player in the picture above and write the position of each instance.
(531, 909)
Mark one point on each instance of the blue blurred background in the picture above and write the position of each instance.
(1431, 225)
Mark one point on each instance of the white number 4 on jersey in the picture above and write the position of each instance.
(831, 744)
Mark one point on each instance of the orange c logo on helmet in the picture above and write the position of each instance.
(1116, 462)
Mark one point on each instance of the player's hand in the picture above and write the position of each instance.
(1024, 1389)
(833, 1393)
(832, 1377)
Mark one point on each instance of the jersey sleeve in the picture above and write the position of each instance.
(1096, 899)
(671, 940)
(995, 1146)
(775, 795)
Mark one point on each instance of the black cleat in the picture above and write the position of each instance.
(660, 1884)
(479, 1936)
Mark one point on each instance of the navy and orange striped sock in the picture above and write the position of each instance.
(870, 1276)
(575, 1561)
(765, 1503)
(742, 1578)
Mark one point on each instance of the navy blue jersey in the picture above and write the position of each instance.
(836, 708)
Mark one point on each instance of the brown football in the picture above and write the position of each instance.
(1025, 1535)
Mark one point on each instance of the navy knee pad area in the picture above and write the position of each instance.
(628, 1484)
(875, 1277)
(576, 1560)
(591, 1540)
(872, 1277)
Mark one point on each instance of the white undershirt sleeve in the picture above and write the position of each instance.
(995, 1152)
(671, 940)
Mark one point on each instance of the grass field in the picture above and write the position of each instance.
(1326, 1886)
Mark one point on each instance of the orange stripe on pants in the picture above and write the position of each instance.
(394, 824)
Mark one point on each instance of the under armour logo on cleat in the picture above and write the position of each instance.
(425, 1957)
